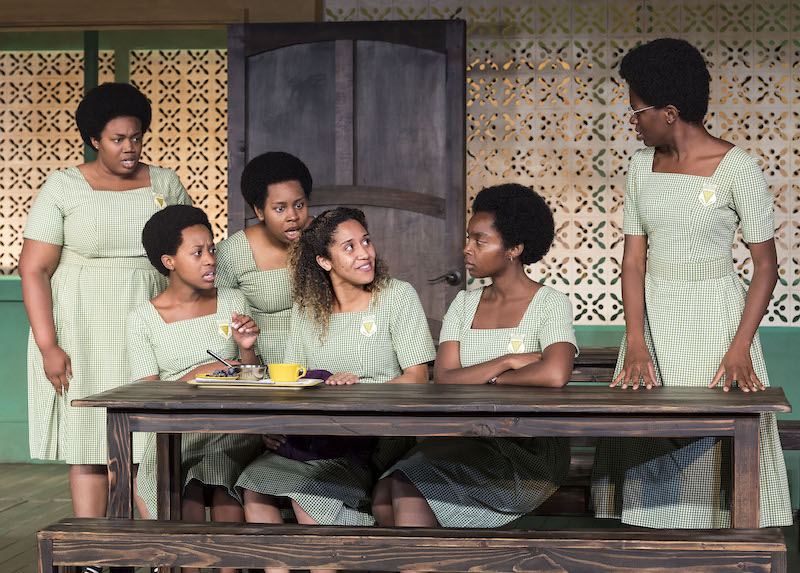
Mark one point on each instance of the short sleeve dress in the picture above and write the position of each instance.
(212, 459)
(377, 345)
(268, 292)
(690, 222)
(103, 274)
(489, 482)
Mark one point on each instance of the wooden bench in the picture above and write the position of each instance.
(183, 544)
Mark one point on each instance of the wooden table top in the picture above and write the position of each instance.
(484, 400)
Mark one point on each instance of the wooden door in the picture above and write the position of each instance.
(376, 111)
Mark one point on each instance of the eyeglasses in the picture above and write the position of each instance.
(633, 112)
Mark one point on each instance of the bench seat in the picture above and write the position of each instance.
(124, 542)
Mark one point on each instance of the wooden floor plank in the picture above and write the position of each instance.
(32, 496)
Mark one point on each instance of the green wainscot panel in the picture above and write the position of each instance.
(13, 345)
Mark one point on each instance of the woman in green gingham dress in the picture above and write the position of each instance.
(167, 339)
(512, 332)
(276, 185)
(690, 321)
(365, 328)
(83, 268)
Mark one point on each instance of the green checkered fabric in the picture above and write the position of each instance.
(268, 293)
(478, 482)
(377, 345)
(212, 459)
(694, 302)
(103, 273)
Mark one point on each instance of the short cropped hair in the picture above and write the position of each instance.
(162, 233)
(521, 216)
(272, 167)
(669, 71)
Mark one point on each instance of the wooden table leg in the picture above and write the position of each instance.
(45, 551)
(170, 486)
(168, 480)
(744, 473)
(120, 465)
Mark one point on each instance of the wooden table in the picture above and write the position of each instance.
(172, 408)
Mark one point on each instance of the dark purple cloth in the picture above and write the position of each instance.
(320, 374)
(306, 448)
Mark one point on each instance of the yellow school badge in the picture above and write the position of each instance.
(516, 344)
(224, 329)
(708, 194)
(161, 202)
(368, 326)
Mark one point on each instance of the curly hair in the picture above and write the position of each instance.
(312, 289)
(162, 234)
(669, 71)
(109, 101)
(521, 217)
(268, 168)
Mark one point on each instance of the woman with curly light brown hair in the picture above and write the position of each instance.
(352, 319)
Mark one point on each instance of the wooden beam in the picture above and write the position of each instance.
(67, 14)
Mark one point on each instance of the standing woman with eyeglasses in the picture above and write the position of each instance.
(689, 319)
(83, 268)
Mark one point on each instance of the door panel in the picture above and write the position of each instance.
(376, 111)
(295, 113)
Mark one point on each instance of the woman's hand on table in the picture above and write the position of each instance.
(737, 366)
(638, 366)
(341, 379)
(245, 330)
(57, 368)
(273, 441)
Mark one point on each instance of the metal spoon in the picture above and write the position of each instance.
(225, 362)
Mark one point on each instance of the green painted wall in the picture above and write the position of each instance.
(13, 382)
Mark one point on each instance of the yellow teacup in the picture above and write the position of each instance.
(285, 372)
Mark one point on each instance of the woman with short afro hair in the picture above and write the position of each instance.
(515, 332)
(83, 268)
(689, 319)
(277, 186)
(168, 338)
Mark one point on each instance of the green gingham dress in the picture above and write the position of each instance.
(376, 344)
(694, 302)
(103, 273)
(489, 482)
(268, 293)
(170, 350)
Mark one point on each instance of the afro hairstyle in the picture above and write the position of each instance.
(272, 167)
(669, 71)
(162, 234)
(521, 216)
(109, 101)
